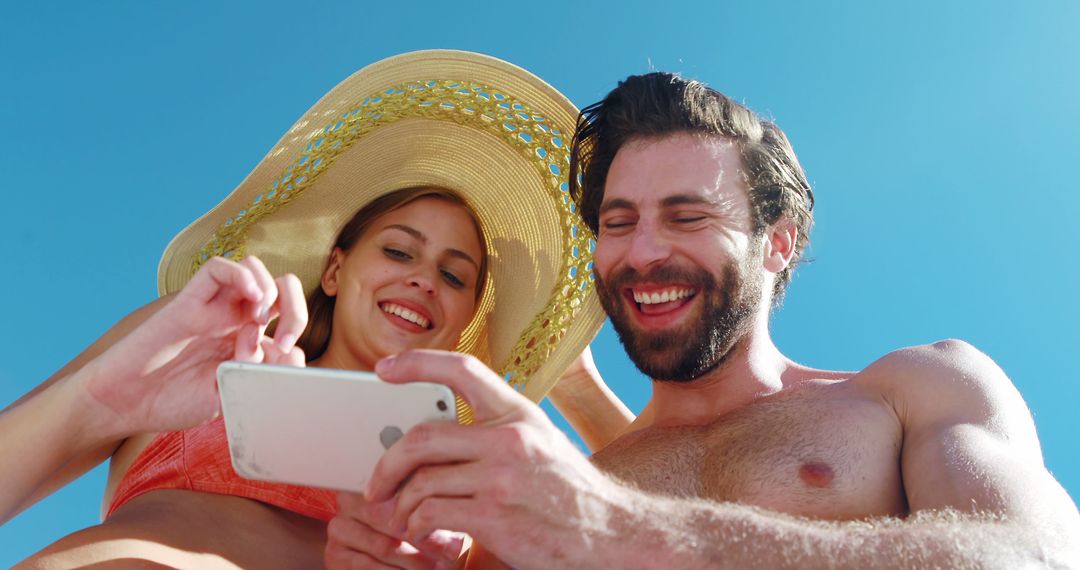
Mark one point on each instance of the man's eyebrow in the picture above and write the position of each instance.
(687, 199)
(616, 204)
(668, 202)
(419, 236)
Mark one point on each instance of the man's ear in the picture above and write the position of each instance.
(780, 240)
(329, 279)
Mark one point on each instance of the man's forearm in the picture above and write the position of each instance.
(674, 533)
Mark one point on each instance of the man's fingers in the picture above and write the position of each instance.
(453, 480)
(431, 443)
(488, 394)
(440, 512)
(292, 308)
(374, 514)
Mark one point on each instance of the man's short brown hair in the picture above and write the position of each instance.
(659, 104)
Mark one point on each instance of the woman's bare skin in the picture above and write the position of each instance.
(182, 528)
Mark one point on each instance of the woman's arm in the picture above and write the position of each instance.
(42, 434)
(154, 371)
(595, 412)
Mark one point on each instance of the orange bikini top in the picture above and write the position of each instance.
(197, 459)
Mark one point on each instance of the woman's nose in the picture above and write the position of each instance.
(423, 279)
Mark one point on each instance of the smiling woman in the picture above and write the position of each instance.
(427, 238)
(374, 268)
(422, 204)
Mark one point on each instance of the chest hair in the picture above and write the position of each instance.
(821, 452)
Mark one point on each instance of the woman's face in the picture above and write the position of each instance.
(408, 282)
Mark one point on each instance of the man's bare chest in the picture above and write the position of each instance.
(822, 453)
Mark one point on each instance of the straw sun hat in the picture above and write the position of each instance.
(491, 131)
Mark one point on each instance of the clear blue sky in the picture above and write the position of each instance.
(940, 137)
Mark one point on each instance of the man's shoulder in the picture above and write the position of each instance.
(948, 354)
(949, 361)
(944, 378)
(926, 366)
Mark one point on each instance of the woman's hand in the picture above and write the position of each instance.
(154, 371)
(162, 376)
(355, 540)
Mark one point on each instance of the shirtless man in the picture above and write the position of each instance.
(742, 458)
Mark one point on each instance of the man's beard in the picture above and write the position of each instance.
(688, 352)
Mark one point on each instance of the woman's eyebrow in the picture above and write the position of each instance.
(419, 236)
(462, 255)
(409, 230)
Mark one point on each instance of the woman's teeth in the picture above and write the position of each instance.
(405, 314)
(661, 296)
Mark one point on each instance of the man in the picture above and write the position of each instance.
(742, 458)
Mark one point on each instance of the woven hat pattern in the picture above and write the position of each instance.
(423, 107)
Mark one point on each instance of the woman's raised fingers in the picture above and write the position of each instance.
(292, 310)
(262, 311)
(218, 274)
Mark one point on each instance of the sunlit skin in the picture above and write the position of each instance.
(423, 257)
(410, 281)
(925, 458)
(657, 212)
(415, 258)
(679, 202)
(675, 205)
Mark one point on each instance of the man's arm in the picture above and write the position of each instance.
(970, 443)
(518, 487)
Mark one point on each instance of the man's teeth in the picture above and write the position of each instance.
(405, 314)
(661, 296)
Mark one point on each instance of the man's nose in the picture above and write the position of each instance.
(647, 248)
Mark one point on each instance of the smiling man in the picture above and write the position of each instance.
(742, 458)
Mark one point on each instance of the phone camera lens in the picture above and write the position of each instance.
(441, 405)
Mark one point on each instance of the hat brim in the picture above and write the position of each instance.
(490, 131)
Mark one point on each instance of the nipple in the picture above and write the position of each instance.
(816, 474)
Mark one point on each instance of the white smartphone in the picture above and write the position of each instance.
(318, 427)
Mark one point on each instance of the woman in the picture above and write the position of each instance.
(424, 121)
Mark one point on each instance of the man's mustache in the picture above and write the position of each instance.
(662, 274)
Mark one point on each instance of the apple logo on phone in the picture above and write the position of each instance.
(389, 436)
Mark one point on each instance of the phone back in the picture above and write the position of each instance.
(318, 427)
